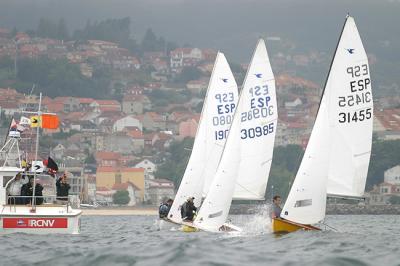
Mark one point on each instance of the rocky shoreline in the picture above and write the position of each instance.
(356, 209)
(240, 209)
(331, 209)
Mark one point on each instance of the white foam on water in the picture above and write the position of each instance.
(258, 223)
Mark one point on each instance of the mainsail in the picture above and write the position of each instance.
(345, 111)
(352, 105)
(249, 144)
(215, 121)
(258, 122)
(306, 202)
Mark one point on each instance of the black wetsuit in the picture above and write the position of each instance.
(62, 190)
(188, 210)
(27, 190)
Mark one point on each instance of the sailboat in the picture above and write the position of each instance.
(215, 120)
(337, 155)
(47, 218)
(246, 158)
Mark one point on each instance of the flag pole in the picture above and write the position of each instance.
(36, 155)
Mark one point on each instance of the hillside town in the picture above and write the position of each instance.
(111, 144)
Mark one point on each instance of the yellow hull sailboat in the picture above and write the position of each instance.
(280, 226)
(337, 155)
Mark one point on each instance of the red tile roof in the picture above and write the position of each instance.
(389, 118)
(110, 169)
(107, 155)
(124, 186)
(85, 100)
(107, 102)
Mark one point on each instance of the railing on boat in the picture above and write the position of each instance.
(48, 201)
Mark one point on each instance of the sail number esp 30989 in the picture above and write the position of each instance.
(360, 95)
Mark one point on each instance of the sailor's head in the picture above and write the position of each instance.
(190, 199)
(170, 201)
(31, 179)
(277, 199)
(18, 176)
(64, 177)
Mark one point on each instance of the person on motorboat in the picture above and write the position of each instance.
(62, 189)
(14, 190)
(164, 208)
(276, 207)
(188, 210)
(27, 190)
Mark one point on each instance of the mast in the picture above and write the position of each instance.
(36, 155)
(333, 59)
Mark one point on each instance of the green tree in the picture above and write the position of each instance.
(113, 30)
(62, 30)
(175, 165)
(189, 73)
(121, 197)
(164, 97)
(47, 28)
(199, 107)
(384, 155)
(90, 159)
(285, 164)
(149, 42)
(394, 200)
(56, 77)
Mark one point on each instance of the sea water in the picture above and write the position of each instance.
(135, 240)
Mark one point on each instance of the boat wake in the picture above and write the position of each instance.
(258, 223)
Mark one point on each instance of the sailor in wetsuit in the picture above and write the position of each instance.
(188, 210)
(164, 208)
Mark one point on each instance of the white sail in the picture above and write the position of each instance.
(338, 147)
(352, 106)
(258, 117)
(216, 118)
(247, 142)
(306, 202)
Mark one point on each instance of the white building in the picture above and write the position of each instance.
(148, 166)
(293, 104)
(182, 57)
(160, 190)
(127, 121)
(392, 175)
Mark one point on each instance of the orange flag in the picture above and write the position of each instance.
(50, 121)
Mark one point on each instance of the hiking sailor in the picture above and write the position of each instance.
(188, 210)
(164, 208)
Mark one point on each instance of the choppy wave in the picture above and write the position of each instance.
(134, 240)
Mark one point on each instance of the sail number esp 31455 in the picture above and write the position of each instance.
(359, 96)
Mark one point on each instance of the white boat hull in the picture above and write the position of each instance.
(45, 220)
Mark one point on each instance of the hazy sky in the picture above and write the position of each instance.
(233, 26)
(229, 25)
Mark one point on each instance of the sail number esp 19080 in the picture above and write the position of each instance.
(225, 109)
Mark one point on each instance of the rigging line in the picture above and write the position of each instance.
(329, 226)
(247, 189)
